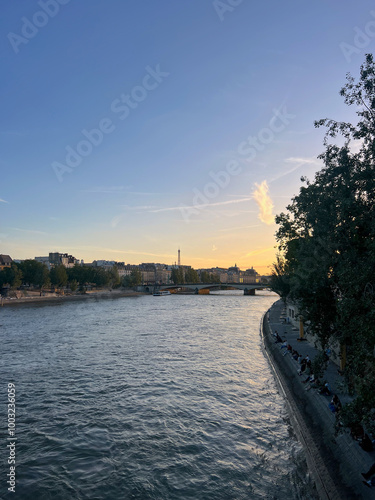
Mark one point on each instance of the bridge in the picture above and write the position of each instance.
(248, 288)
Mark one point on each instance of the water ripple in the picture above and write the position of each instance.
(148, 399)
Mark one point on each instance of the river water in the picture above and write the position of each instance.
(146, 398)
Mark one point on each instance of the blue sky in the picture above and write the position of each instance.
(170, 169)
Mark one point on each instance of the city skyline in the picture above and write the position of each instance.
(128, 131)
(101, 262)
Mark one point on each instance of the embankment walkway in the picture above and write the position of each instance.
(336, 462)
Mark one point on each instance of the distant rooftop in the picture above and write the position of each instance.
(5, 260)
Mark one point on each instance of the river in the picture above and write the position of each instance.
(163, 398)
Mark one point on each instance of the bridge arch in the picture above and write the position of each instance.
(248, 288)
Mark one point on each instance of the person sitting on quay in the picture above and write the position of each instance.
(371, 472)
(284, 345)
(366, 443)
(326, 390)
(288, 349)
(309, 372)
(295, 355)
(369, 480)
(370, 483)
(335, 404)
(313, 383)
(357, 432)
(303, 367)
(278, 338)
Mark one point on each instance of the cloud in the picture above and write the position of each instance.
(264, 202)
(287, 172)
(300, 161)
(3, 201)
(116, 220)
(104, 189)
(214, 248)
(145, 193)
(154, 209)
(239, 227)
(122, 252)
(297, 163)
(139, 207)
(29, 231)
(259, 252)
(116, 190)
(205, 205)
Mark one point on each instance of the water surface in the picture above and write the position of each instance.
(147, 398)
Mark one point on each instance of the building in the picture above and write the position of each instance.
(148, 272)
(5, 262)
(163, 274)
(124, 269)
(105, 264)
(233, 274)
(249, 276)
(44, 260)
(56, 258)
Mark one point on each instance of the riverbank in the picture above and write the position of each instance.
(60, 299)
(336, 462)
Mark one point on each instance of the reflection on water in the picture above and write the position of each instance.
(148, 398)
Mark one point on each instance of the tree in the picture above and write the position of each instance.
(180, 275)
(59, 276)
(174, 276)
(134, 279)
(34, 272)
(11, 276)
(177, 276)
(215, 278)
(100, 276)
(191, 276)
(73, 285)
(280, 277)
(44, 280)
(6, 276)
(16, 280)
(205, 277)
(114, 278)
(327, 239)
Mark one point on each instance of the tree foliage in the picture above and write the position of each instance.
(33, 273)
(191, 276)
(11, 277)
(177, 276)
(134, 279)
(327, 241)
(207, 277)
(59, 276)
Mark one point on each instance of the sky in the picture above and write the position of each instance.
(131, 129)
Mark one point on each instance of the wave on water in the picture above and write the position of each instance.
(149, 400)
